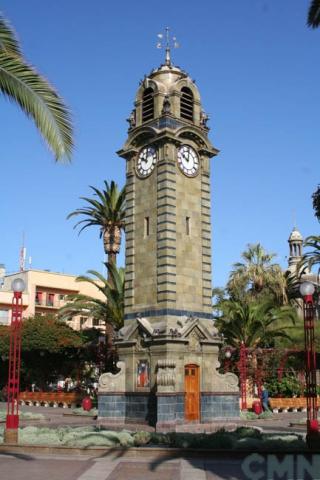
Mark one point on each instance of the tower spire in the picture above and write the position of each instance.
(168, 58)
(164, 42)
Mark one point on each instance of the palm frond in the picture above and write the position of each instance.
(8, 40)
(316, 198)
(107, 208)
(20, 83)
(110, 309)
(254, 323)
(313, 20)
(311, 258)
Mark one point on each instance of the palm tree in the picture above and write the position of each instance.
(22, 84)
(316, 202)
(107, 211)
(312, 257)
(255, 323)
(314, 14)
(256, 275)
(110, 309)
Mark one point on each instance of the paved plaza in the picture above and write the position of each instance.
(118, 464)
(40, 467)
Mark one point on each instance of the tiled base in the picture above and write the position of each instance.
(127, 407)
(170, 408)
(215, 406)
(164, 409)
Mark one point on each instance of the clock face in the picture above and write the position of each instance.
(146, 161)
(188, 160)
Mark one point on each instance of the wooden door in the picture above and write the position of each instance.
(191, 384)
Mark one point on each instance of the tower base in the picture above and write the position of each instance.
(168, 380)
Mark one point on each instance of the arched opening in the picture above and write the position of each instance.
(147, 104)
(186, 104)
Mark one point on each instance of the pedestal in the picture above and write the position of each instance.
(10, 435)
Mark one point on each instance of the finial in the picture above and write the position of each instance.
(294, 220)
(161, 44)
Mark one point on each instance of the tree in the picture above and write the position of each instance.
(257, 277)
(48, 348)
(254, 323)
(107, 211)
(314, 14)
(316, 202)
(22, 84)
(110, 310)
(312, 257)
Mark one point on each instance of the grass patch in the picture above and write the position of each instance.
(91, 413)
(23, 415)
(254, 416)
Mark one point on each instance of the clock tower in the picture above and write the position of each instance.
(168, 346)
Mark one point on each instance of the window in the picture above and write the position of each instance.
(82, 321)
(61, 296)
(146, 227)
(50, 299)
(186, 104)
(147, 105)
(95, 322)
(187, 225)
(38, 298)
(4, 317)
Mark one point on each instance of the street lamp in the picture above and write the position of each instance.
(307, 290)
(12, 420)
(227, 357)
(228, 354)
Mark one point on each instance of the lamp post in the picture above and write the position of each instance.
(243, 375)
(307, 291)
(12, 420)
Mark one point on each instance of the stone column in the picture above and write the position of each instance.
(170, 406)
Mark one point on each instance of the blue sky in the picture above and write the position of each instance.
(257, 67)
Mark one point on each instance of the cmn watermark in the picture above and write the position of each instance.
(287, 467)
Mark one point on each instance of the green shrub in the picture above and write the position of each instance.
(247, 432)
(125, 439)
(287, 387)
(247, 443)
(243, 438)
(161, 438)
(141, 438)
(254, 416)
(91, 413)
(218, 440)
(282, 442)
(265, 415)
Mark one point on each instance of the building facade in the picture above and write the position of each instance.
(169, 346)
(45, 293)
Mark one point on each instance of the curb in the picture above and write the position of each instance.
(143, 452)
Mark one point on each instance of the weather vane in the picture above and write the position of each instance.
(164, 42)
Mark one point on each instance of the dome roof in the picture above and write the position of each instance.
(167, 79)
(295, 235)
